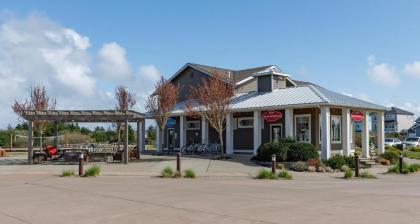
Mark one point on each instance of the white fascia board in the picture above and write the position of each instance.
(245, 80)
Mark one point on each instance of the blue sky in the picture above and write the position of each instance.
(369, 49)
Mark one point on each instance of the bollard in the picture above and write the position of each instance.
(273, 163)
(401, 163)
(356, 159)
(178, 162)
(81, 164)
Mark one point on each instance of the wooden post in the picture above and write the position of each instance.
(401, 163)
(273, 163)
(178, 162)
(30, 143)
(125, 156)
(11, 141)
(81, 164)
(140, 137)
(356, 158)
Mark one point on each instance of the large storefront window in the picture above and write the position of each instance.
(303, 128)
(336, 129)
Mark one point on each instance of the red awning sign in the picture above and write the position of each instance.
(272, 116)
(357, 116)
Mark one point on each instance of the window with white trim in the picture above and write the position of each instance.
(335, 129)
(245, 122)
(303, 128)
(193, 125)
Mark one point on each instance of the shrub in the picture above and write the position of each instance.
(348, 174)
(280, 166)
(384, 162)
(367, 175)
(285, 175)
(391, 155)
(93, 171)
(344, 168)
(314, 162)
(299, 166)
(414, 167)
(266, 150)
(336, 161)
(266, 174)
(396, 169)
(311, 169)
(167, 172)
(177, 174)
(67, 173)
(350, 161)
(414, 149)
(189, 173)
(321, 169)
(301, 152)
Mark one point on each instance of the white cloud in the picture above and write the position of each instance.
(413, 69)
(36, 50)
(113, 63)
(382, 73)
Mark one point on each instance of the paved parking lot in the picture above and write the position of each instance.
(35, 194)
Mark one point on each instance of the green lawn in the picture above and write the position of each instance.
(412, 155)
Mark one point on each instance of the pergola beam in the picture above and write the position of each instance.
(82, 116)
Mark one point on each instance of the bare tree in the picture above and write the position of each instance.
(161, 103)
(39, 100)
(214, 99)
(125, 100)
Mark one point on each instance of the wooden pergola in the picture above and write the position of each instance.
(87, 116)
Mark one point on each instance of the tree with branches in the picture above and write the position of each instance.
(161, 103)
(125, 100)
(38, 100)
(213, 98)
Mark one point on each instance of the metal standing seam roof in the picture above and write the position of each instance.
(291, 97)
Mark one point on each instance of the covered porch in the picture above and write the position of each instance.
(329, 128)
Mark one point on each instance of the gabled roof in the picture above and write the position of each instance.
(236, 75)
(395, 110)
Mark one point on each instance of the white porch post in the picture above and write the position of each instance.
(365, 135)
(30, 142)
(288, 120)
(257, 130)
(158, 144)
(182, 131)
(325, 133)
(380, 130)
(204, 131)
(346, 131)
(229, 134)
(141, 129)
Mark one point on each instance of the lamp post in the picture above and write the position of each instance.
(273, 163)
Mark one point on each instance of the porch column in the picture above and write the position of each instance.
(125, 142)
(257, 130)
(182, 131)
(346, 131)
(380, 130)
(365, 135)
(56, 135)
(229, 134)
(288, 122)
(141, 129)
(204, 131)
(325, 133)
(158, 144)
(30, 142)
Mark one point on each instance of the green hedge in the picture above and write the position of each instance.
(288, 150)
(337, 161)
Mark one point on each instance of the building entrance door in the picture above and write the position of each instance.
(276, 132)
(171, 138)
